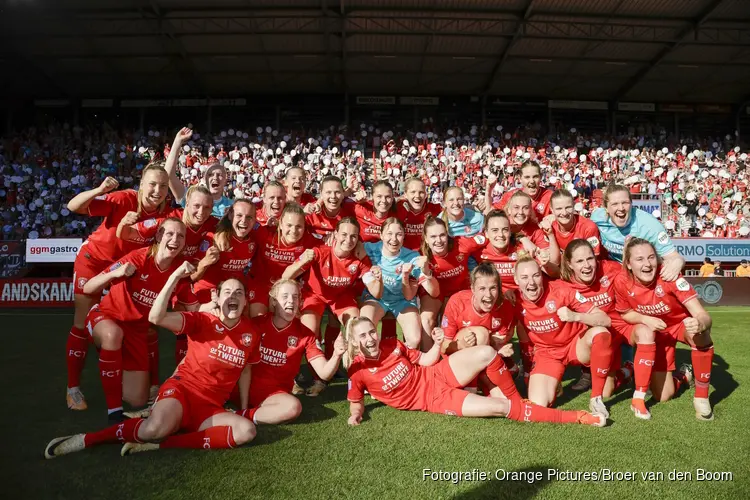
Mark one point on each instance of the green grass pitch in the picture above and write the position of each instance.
(319, 456)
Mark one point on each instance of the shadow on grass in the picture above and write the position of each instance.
(269, 434)
(520, 489)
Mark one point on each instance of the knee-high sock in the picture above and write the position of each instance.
(76, 349)
(702, 359)
(110, 371)
(212, 438)
(388, 328)
(499, 375)
(124, 432)
(601, 357)
(153, 358)
(180, 348)
(643, 365)
(523, 410)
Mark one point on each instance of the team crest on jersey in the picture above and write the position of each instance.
(604, 281)
(593, 241)
(251, 294)
(81, 282)
(659, 291)
(291, 341)
(353, 268)
(495, 323)
(168, 392)
(247, 339)
(460, 257)
(551, 306)
(149, 223)
(251, 247)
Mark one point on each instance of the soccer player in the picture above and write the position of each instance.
(230, 254)
(274, 201)
(295, 181)
(397, 266)
(413, 212)
(460, 219)
(449, 260)
(332, 283)
(531, 176)
(333, 208)
(284, 341)
(222, 349)
(278, 247)
(119, 323)
(565, 226)
(215, 176)
(619, 220)
(100, 250)
(565, 328)
(372, 214)
(407, 379)
(672, 310)
(595, 280)
(528, 232)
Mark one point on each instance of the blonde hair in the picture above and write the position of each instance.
(521, 194)
(523, 258)
(151, 167)
(196, 188)
(224, 228)
(352, 346)
(275, 291)
(445, 196)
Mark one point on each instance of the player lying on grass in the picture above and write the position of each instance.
(407, 379)
(220, 351)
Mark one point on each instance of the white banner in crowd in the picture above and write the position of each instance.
(721, 249)
(52, 250)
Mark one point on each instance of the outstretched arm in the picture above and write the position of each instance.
(175, 184)
(356, 412)
(80, 202)
(95, 285)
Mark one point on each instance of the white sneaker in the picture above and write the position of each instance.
(703, 409)
(64, 445)
(130, 448)
(315, 389)
(597, 407)
(687, 370)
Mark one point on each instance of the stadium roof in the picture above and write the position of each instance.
(626, 50)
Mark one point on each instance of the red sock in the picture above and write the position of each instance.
(621, 377)
(679, 380)
(110, 371)
(523, 410)
(527, 355)
(388, 328)
(153, 357)
(76, 349)
(218, 437)
(180, 348)
(124, 432)
(248, 413)
(643, 365)
(702, 359)
(601, 356)
(501, 377)
(332, 332)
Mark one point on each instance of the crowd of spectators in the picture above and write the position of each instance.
(702, 181)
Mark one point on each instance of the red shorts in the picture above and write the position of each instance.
(553, 360)
(261, 392)
(622, 329)
(195, 410)
(665, 347)
(83, 270)
(257, 293)
(134, 339)
(443, 393)
(317, 304)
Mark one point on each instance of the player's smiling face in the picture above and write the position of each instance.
(347, 236)
(562, 209)
(530, 179)
(393, 238)
(274, 200)
(519, 210)
(172, 239)
(643, 263)
(528, 277)
(454, 203)
(583, 264)
(199, 208)
(618, 208)
(292, 228)
(332, 195)
(437, 239)
(153, 189)
(382, 199)
(286, 301)
(484, 293)
(243, 219)
(231, 299)
(416, 195)
(366, 336)
(295, 183)
(216, 180)
(498, 232)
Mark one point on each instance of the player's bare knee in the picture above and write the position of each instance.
(294, 408)
(485, 354)
(111, 339)
(482, 335)
(644, 335)
(243, 431)
(412, 340)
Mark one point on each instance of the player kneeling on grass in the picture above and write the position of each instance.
(220, 351)
(407, 379)
(284, 340)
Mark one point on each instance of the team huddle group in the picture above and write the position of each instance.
(245, 288)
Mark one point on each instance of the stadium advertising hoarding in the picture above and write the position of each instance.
(11, 258)
(52, 250)
(36, 292)
(649, 206)
(721, 249)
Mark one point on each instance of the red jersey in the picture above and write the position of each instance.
(233, 263)
(452, 270)
(331, 276)
(540, 318)
(537, 236)
(662, 299)
(583, 229)
(393, 378)
(505, 262)
(460, 313)
(322, 224)
(369, 223)
(103, 245)
(304, 200)
(281, 351)
(273, 256)
(261, 217)
(539, 203)
(216, 355)
(414, 222)
(601, 292)
(131, 298)
(196, 240)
